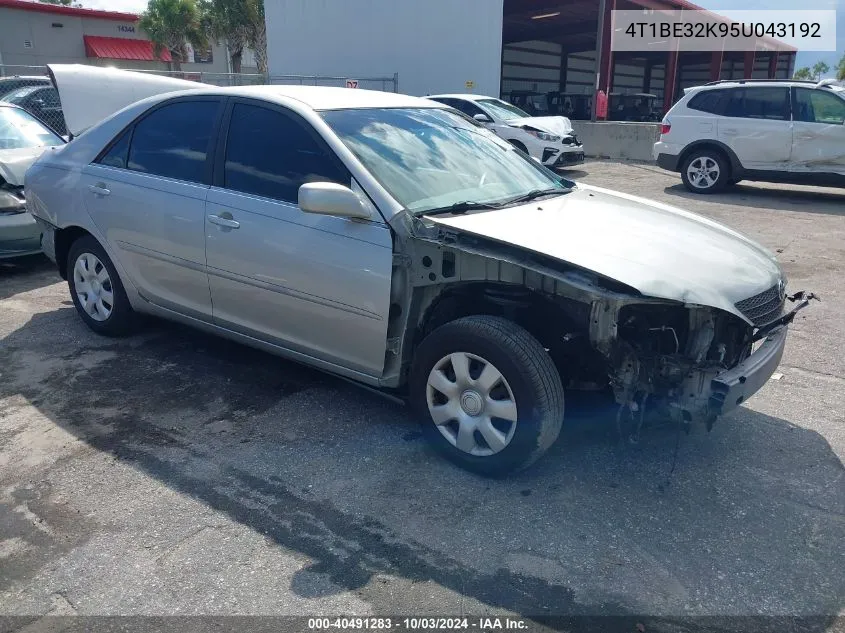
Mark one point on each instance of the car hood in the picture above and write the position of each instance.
(90, 94)
(659, 250)
(15, 162)
(559, 125)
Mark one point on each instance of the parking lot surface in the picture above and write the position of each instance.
(176, 473)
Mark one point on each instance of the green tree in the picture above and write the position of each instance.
(820, 69)
(840, 71)
(258, 34)
(64, 3)
(803, 73)
(171, 24)
(227, 20)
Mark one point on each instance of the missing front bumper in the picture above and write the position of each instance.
(731, 388)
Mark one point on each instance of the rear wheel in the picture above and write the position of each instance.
(705, 171)
(96, 289)
(487, 394)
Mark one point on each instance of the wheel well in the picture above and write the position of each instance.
(518, 145)
(554, 322)
(64, 240)
(713, 147)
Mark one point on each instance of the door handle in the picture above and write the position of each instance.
(229, 223)
(99, 189)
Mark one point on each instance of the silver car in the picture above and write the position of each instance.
(389, 240)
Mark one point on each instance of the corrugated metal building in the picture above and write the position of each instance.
(494, 46)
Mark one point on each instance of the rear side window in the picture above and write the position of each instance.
(173, 141)
(271, 154)
(759, 103)
(711, 101)
(815, 106)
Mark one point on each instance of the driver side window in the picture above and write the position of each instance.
(271, 154)
(468, 108)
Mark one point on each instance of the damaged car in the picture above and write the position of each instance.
(22, 139)
(548, 139)
(389, 240)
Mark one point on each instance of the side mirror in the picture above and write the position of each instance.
(482, 118)
(329, 198)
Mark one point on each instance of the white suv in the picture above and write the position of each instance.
(773, 131)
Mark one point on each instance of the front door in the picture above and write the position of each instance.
(146, 194)
(818, 141)
(318, 285)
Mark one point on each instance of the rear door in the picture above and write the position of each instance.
(146, 194)
(318, 285)
(757, 126)
(818, 141)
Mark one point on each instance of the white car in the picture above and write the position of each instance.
(771, 131)
(549, 139)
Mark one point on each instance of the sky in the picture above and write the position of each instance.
(804, 58)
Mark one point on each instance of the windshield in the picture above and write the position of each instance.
(503, 111)
(428, 158)
(19, 130)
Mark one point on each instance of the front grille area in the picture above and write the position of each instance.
(764, 307)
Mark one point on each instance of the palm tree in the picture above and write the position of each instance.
(171, 24)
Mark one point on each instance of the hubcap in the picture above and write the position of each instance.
(703, 172)
(93, 287)
(472, 404)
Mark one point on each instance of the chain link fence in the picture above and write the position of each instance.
(30, 88)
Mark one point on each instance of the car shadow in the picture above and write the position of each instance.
(22, 274)
(782, 198)
(571, 172)
(746, 519)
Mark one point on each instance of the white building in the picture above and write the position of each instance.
(433, 45)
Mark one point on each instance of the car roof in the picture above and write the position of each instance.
(323, 97)
(760, 83)
(466, 96)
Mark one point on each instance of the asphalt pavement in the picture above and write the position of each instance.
(172, 473)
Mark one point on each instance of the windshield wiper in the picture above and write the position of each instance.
(461, 207)
(533, 195)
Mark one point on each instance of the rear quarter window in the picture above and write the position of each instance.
(710, 101)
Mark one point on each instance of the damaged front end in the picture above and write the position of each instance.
(688, 362)
(693, 363)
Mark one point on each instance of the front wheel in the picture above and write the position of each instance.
(705, 171)
(487, 394)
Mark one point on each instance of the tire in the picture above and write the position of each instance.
(117, 320)
(528, 389)
(520, 146)
(713, 167)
